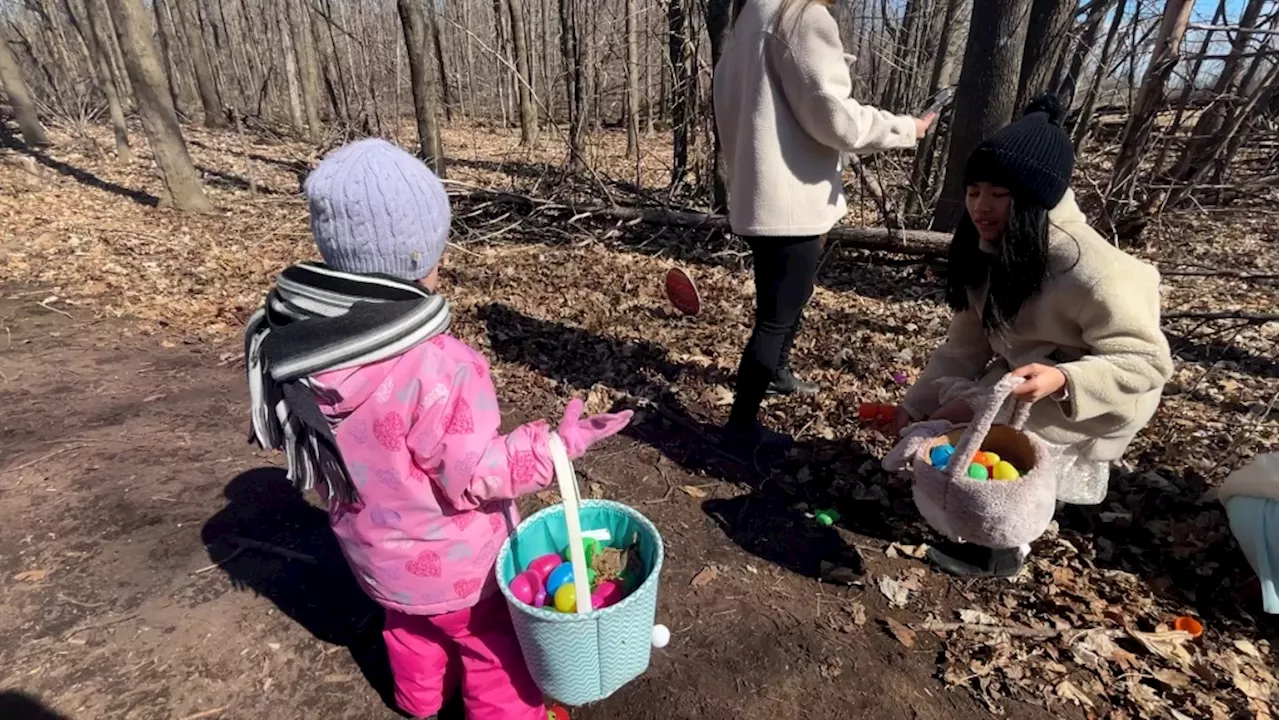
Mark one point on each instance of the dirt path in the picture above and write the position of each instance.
(124, 473)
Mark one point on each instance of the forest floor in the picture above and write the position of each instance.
(127, 487)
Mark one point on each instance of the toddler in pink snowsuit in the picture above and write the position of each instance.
(420, 484)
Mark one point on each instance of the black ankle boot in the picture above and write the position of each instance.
(785, 382)
(966, 560)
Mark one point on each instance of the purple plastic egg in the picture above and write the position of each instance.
(541, 567)
(540, 597)
(525, 587)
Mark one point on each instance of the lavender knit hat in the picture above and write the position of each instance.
(377, 209)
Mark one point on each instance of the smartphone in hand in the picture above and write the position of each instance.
(939, 101)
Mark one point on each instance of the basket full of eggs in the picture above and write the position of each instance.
(992, 485)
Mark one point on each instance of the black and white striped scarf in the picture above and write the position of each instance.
(317, 319)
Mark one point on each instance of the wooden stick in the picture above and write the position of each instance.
(268, 547)
(234, 554)
(1013, 630)
(99, 626)
(1251, 317)
(214, 712)
(42, 458)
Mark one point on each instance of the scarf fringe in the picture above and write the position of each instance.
(317, 319)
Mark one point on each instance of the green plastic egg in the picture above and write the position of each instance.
(977, 472)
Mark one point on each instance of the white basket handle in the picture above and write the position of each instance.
(568, 482)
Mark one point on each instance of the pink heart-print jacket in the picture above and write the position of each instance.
(437, 482)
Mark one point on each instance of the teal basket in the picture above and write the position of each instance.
(581, 658)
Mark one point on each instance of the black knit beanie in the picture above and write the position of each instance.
(1032, 156)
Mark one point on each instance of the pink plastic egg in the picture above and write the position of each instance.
(525, 586)
(541, 567)
(606, 593)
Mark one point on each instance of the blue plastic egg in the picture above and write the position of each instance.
(940, 455)
(561, 575)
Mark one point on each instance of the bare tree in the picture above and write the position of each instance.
(200, 64)
(519, 42)
(291, 72)
(20, 98)
(1084, 119)
(633, 81)
(165, 34)
(96, 38)
(1133, 143)
(307, 71)
(1047, 33)
(159, 119)
(575, 90)
(422, 83)
(437, 41)
(682, 88)
(987, 95)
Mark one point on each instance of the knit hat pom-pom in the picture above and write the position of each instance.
(1049, 104)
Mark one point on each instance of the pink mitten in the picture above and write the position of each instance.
(580, 433)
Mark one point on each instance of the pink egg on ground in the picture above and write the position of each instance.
(606, 593)
(525, 586)
(541, 567)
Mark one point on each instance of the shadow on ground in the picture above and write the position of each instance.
(84, 177)
(321, 596)
(20, 706)
(772, 519)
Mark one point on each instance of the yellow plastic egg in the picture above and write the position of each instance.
(566, 601)
(989, 460)
(1004, 471)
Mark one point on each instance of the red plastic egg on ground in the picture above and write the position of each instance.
(541, 567)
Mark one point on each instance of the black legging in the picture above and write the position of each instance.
(784, 272)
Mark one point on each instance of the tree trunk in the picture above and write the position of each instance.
(633, 80)
(1084, 119)
(437, 41)
(943, 28)
(1067, 75)
(97, 39)
(20, 98)
(548, 80)
(650, 102)
(1188, 89)
(164, 34)
(200, 66)
(987, 95)
(1133, 144)
(422, 82)
(571, 51)
(717, 14)
(291, 74)
(159, 120)
(306, 61)
(682, 79)
(519, 42)
(1047, 31)
(326, 59)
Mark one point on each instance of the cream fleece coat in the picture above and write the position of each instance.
(785, 116)
(1097, 318)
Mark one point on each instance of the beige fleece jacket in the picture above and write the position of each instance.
(1097, 319)
(784, 115)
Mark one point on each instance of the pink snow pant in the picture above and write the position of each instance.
(430, 653)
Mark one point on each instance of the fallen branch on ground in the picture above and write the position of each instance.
(1011, 630)
(1249, 317)
(268, 547)
(923, 243)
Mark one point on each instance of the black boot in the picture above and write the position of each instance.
(966, 560)
(784, 380)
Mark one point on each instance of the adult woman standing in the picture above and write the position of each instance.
(1037, 292)
(785, 117)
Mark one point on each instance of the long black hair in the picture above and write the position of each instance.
(1013, 275)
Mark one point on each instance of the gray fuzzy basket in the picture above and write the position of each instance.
(991, 513)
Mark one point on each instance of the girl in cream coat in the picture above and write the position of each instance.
(785, 116)
(1039, 293)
